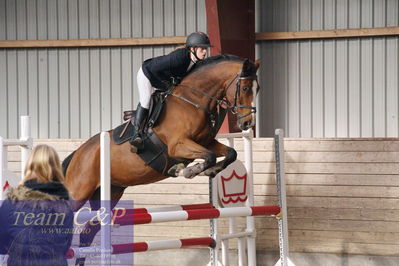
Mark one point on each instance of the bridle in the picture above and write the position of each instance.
(234, 107)
(224, 103)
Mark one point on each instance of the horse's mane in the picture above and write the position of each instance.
(214, 60)
(203, 64)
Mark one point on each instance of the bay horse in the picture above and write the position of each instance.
(184, 126)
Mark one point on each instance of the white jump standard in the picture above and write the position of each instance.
(246, 239)
(25, 142)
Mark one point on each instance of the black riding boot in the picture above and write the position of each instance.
(141, 115)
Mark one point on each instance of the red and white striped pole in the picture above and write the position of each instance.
(144, 246)
(159, 217)
(86, 214)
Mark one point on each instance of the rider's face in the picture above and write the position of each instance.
(200, 51)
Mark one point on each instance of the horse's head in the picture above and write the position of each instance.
(242, 95)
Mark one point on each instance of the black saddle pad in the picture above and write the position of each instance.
(155, 152)
(126, 136)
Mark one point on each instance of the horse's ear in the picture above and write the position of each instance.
(246, 68)
(257, 63)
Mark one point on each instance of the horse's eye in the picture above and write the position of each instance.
(245, 89)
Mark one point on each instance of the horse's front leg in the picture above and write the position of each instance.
(186, 148)
(220, 150)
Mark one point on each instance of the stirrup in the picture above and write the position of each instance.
(135, 145)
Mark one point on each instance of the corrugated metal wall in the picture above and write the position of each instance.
(75, 93)
(312, 88)
(329, 87)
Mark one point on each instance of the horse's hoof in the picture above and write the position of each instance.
(189, 173)
(133, 149)
(175, 169)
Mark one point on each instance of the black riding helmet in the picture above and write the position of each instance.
(198, 39)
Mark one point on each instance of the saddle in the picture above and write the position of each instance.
(155, 152)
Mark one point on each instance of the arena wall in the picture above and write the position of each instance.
(343, 195)
(311, 87)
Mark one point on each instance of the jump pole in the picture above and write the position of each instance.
(146, 246)
(199, 214)
(85, 214)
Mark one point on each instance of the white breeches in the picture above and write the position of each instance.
(145, 89)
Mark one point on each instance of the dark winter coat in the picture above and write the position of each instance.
(36, 223)
(162, 70)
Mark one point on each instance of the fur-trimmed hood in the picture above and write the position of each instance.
(36, 223)
(39, 195)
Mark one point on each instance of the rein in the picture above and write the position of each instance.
(230, 107)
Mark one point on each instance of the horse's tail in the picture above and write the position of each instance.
(66, 162)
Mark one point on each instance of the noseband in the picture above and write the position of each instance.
(233, 108)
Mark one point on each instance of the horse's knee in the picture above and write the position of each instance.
(210, 159)
(230, 157)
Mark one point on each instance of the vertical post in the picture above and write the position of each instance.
(213, 198)
(232, 226)
(105, 199)
(2, 167)
(251, 241)
(25, 136)
(282, 201)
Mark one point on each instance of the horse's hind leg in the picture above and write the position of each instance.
(90, 230)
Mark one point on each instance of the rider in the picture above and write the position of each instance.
(159, 72)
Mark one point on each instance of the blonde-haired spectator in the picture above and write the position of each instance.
(36, 219)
